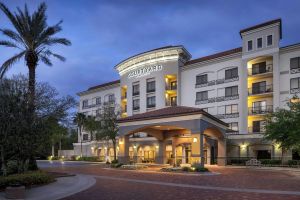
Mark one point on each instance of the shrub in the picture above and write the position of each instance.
(90, 159)
(187, 169)
(114, 161)
(12, 167)
(26, 179)
(293, 162)
(116, 165)
(270, 162)
(239, 161)
(198, 168)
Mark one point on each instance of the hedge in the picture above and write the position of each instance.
(26, 179)
(270, 162)
(293, 162)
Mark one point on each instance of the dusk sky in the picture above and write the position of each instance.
(105, 32)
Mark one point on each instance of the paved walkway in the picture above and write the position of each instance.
(229, 183)
(63, 187)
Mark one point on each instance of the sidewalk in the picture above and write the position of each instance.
(63, 187)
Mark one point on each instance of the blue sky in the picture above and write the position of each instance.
(105, 32)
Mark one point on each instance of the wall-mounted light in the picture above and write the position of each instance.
(156, 146)
(121, 141)
(243, 146)
(195, 139)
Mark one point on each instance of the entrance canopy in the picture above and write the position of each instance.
(195, 120)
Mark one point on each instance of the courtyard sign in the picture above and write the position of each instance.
(144, 71)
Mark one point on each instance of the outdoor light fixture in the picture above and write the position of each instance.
(134, 146)
(157, 146)
(195, 139)
(243, 146)
(121, 141)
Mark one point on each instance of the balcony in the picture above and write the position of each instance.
(205, 101)
(256, 129)
(136, 108)
(295, 90)
(171, 87)
(264, 89)
(91, 106)
(228, 80)
(109, 103)
(199, 85)
(227, 98)
(124, 96)
(150, 90)
(171, 103)
(151, 106)
(295, 70)
(227, 115)
(260, 70)
(260, 110)
(136, 93)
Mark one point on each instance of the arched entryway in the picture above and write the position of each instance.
(191, 132)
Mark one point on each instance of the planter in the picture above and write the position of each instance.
(15, 192)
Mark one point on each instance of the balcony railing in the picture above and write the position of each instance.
(260, 89)
(223, 80)
(227, 98)
(151, 106)
(295, 71)
(91, 105)
(124, 96)
(150, 90)
(257, 129)
(226, 116)
(260, 110)
(199, 85)
(205, 101)
(136, 108)
(171, 103)
(255, 71)
(136, 93)
(109, 103)
(171, 87)
(295, 90)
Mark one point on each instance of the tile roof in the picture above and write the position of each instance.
(173, 111)
(216, 55)
(262, 25)
(104, 85)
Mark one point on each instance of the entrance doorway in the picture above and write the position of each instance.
(263, 154)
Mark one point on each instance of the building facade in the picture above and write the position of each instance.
(239, 86)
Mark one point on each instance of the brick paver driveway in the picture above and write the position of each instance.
(230, 184)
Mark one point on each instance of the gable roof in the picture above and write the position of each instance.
(262, 25)
(173, 111)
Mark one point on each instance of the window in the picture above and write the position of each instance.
(258, 126)
(202, 96)
(295, 63)
(98, 100)
(173, 100)
(173, 85)
(231, 91)
(151, 102)
(250, 45)
(259, 68)
(231, 109)
(269, 40)
(259, 87)
(136, 104)
(85, 137)
(151, 86)
(111, 98)
(135, 90)
(201, 79)
(259, 43)
(231, 73)
(234, 126)
(295, 83)
(85, 103)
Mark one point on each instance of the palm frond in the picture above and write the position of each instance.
(10, 16)
(48, 53)
(8, 44)
(45, 60)
(7, 64)
(53, 41)
(12, 35)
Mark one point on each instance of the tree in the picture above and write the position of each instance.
(91, 125)
(80, 120)
(20, 140)
(109, 128)
(33, 37)
(283, 126)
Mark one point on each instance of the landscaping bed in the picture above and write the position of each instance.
(27, 179)
(195, 168)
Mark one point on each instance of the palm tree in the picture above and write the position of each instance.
(80, 121)
(33, 37)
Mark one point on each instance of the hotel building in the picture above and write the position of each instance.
(209, 109)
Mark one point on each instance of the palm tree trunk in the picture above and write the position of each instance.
(31, 88)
